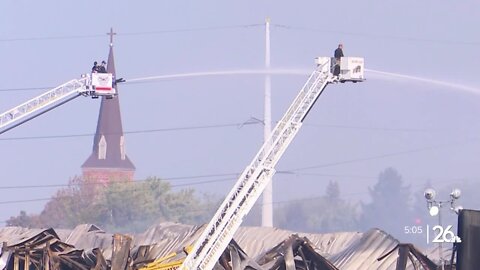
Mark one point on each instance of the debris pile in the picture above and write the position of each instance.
(165, 246)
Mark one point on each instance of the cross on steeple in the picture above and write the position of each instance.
(111, 34)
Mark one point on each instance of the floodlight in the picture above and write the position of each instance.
(455, 193)
(429, 194)
(434, 210)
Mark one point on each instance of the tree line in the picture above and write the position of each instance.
(125, 206)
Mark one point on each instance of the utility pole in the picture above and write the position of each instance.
(267, 206)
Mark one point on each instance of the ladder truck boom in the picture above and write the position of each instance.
(251, 183)
(94, 85)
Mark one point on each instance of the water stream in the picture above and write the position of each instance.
(303, 72)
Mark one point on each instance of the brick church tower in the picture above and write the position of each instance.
(109, 160)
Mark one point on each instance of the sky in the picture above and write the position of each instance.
(426, 131)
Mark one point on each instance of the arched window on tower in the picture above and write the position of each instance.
(102, 148)
(122, 147)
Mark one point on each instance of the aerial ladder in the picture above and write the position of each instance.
(93, 85)
(220, 230)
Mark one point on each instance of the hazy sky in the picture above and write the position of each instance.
(424, 130)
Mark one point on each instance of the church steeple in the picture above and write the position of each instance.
(108, 160)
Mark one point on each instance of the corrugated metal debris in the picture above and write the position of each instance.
(164, 246)
(294, 253)
(42, 249)
(407, 252)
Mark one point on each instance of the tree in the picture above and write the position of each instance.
(333, 190)
(328, 213)
(122, 206)
(390, 208)
(78, 203)
(23, 220)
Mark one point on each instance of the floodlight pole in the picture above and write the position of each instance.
(440, 246)
(431, 202)
(438, 204)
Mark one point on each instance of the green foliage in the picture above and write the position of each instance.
(122, 206)
(328, 213)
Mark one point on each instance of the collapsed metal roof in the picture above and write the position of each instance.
(89, 247)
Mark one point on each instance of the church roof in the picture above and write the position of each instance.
(109, 133)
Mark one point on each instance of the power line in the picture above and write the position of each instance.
(176, 178)
(327, 175)
(180, 30)
(378, 36)
(145, 33)
(98, 183)
(24, 201)
(170, 179)
(144, 131)
(433, 147)
(371, 177)
(52, 38)
(135, 181)
(277, 71)
(387, 129)
(291, 171)
(238, 125)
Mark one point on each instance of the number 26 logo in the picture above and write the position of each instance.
(445, 235)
